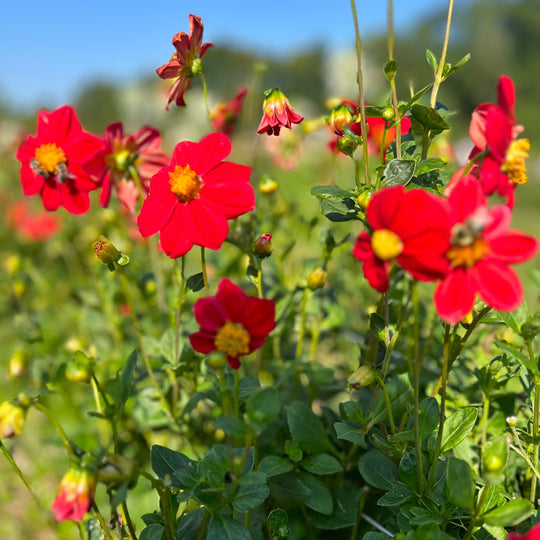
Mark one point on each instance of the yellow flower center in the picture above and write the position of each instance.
(386, 244)
(232, 339)
(468, 255)
(514, 164)
(185, 183)
(120, 159)
(48, 157)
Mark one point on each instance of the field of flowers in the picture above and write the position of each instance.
(297, 328)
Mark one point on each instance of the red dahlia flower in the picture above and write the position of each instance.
(75, 494)
(126, 156)
(481, 250)
(185, 62)
(192, 198)
(225, 115)
(277, 113)
(411, 227)
(232, 322)
(56, 162)
(533, 534)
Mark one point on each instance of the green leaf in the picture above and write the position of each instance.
(338, 209)
(247, 386)
(278, 523)
(459, 64)
(457, 426)
(428, 165)
(167, 346)
(351, 410)
(372, 535)
(331, 192)
(230, 425)
(119, 388)
(319, 498)
(263, 406)
(398, 172)
(165, 462)
(373, 112)
(215, 464)
(274, 465)
(429, 118)
(523, 359)
(345, 510)
(460, 484)
(396, 496)
(510, 513)
(351, 434)
(195, 282)
(252, 492)
(306, 429)
(152, 532)
(432, 60)
(429, 416)
(390, 69)
(322, 464)
(400, 392)
(189, 524)
(226, 528)
(293, 451)
(377, 470)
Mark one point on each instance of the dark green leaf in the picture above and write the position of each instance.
(400, 392)
(390, 69)
(429, 416)
(189, 524)
(293, 451)
(398, 172)
(152, 532)
(377, 470)
(247, 386)
(427, 165)
(428, 118)
(460, 484)
(396, 496)
(351, 410)
(263, 406)
(345, 510)
(215, 464)
(523, 359)
(278, 523)
(274, 465)
(322, 464)
(307, 429)
(457, 426)
(120, 386)
(230, 425)
(338, 209)
(195, 282)
(319, 498)
(374, 112)
(252, 492)
(351, 434)
(165, 462)
(330, 192)
(226, 528)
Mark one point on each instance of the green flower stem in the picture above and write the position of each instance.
(390, 17)
(127, 520)
(129, 297)
(48, 413)
(20, 474)
(177, 333)
(225, 401)
(163, 493)
(473, 160)
(444, 377)
(477, 509)
(99, 395)
(205, 90)
(536, 410)
(418, 362)
(236, 393)
(259, 278)
(439, 77)
(203, 267)
(299, 345)
(102, 523)
(483, 423)
(387, 402)
(362, 101)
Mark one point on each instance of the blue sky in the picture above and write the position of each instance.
(50, 48)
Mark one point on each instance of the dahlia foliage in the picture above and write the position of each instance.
(370, 372)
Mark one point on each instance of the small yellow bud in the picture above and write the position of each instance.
(363, 376)
(267, 185)
(17, 364)
(316, 279)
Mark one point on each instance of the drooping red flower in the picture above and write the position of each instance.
(75, 494)
(232, 322)
(411, 227)
(192, 198)
(128, 155)
(532, 534)
(277, 113)
(225, 115)
(481, 250)
(185, 62)
(31, 225)
(56, 162)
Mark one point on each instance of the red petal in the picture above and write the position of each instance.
(210, 314)
(466, 196)
(498, 133)
(204, 226)
(506, 97)
(498, 285)
(74, 201)
(513, 247)
(231, 199)
(233, 299)
(174, 237)
(384, 205)
(202, 342)
(156, 212)
(455, 295)
(52, 198)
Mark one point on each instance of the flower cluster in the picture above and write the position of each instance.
(458, 240)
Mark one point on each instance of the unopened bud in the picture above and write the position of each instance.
(340, 118)
(77, 372)
(17, 364)
(12, 417)
(107, 253)
(363, 199)
(363, 376)
(531, 327)
(267, 185)
(316, 279)
(216, 360)
(494, 460)
(263, 246)
(388, 114)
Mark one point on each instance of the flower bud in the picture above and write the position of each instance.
(363, 198)
(531, 327)
(12, 417)
(494, 460)
(12, 264)
(316, 279)
(17, 364)
(263, 246)
(108, 254)
(267, 185)
(388, 114)
(216, 360)
(77, 372)
(363, 376)
(340, 118)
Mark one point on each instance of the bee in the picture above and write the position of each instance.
(62, 173)
(34, 165)
(464, 234)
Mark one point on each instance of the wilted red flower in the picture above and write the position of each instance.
(411, 227)
(192, 198)
(126, 155)
(32, 225)
(277, 113)
(75, 494)
(185, 62)
(532, 534)
(225, 115)
(55, 163)
(481, 250)
(232, 322)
